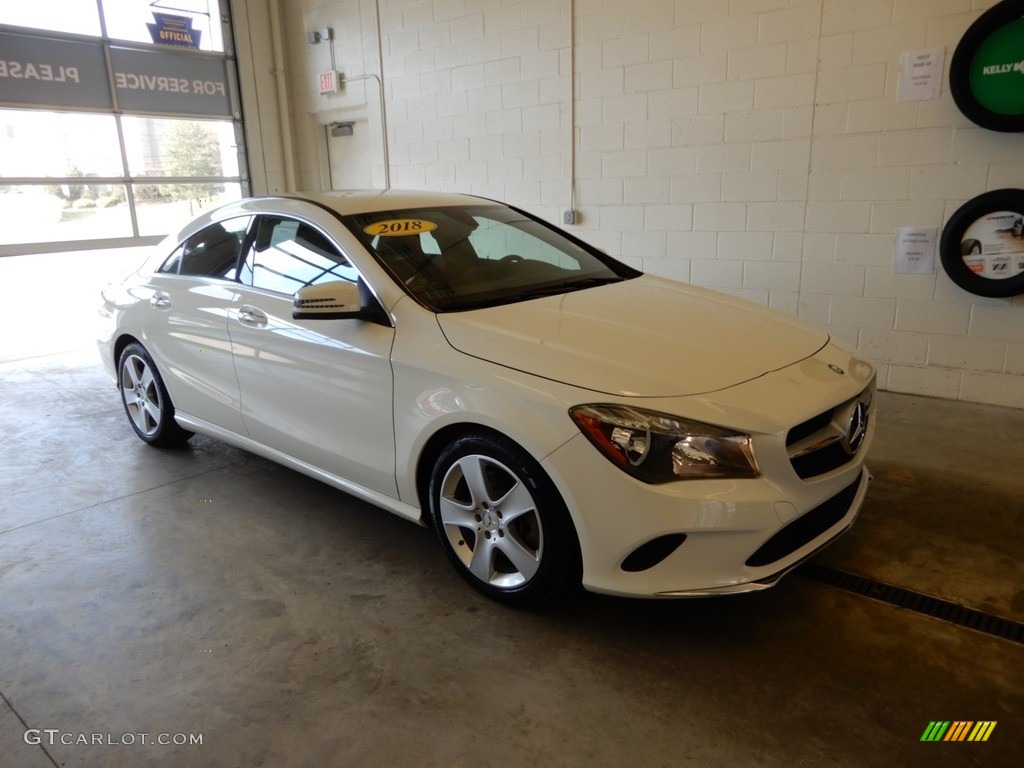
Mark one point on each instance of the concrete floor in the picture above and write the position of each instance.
(207, 591)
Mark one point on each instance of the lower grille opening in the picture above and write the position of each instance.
(805, 528)
(653, 552)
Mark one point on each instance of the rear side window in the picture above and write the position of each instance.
(211, 252)
(288, 254)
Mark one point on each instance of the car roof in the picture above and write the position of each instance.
(344, 203)
(351, 201)
(367, 201)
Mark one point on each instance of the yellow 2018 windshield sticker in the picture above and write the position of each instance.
(399, 227)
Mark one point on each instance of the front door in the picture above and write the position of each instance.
(317, 390)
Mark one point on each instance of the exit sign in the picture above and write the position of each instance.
(328, 82)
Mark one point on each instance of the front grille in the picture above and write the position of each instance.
(821, 461)
(805, 528)
(831, 439)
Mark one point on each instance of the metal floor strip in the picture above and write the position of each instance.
(916, 601)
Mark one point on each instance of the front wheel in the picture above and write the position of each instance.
(501, 521)
(145, 399)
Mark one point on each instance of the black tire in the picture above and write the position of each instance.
(952, 244)
(146, 402)
(502, 523)
(982, 29)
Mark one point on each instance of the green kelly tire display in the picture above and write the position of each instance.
(986, 74)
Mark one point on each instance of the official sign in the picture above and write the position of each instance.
(174, 30)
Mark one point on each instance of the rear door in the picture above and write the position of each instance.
(186, 329)
(317, 390)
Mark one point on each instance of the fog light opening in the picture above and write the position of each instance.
(648, 555)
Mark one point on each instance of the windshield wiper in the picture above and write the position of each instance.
(530, 293)
(568, 286)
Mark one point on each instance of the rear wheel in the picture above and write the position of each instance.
(145, 399)
(501, 521)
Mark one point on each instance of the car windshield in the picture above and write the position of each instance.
(463, 257)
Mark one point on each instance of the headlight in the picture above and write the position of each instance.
(658, 448)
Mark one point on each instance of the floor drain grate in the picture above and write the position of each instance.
(916, 601)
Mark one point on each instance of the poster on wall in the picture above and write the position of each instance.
(993, 246)
(982, 245)
(986, 76)
(920, 75)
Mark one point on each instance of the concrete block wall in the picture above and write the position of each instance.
(263, 133)
(753, 146)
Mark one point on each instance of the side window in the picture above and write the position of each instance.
(211, 252)
(173, 262)
(288, 254)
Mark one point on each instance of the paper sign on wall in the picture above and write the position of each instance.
(914, 251)
(921, 75)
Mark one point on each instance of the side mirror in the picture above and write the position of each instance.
(338, 300)
(335, 300)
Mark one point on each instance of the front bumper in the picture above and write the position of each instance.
(813, 531)
(703, 537)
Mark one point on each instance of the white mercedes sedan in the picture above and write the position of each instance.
(557, 416)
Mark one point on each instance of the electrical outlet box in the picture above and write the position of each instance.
(569, 217)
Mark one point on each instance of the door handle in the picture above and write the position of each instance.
(248, 315)
(160, 300)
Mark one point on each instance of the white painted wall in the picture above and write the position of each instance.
(256, 67)
(755, 146)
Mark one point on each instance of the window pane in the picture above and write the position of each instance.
(163, 208)
(38, 143)
(288, 255)
(43, 213)
(130, 20)
(214, 251)
(173, 262)
(523, 238)
(78, 16)
(481, 255)
(161, 147)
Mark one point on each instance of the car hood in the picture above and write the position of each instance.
(646, 337)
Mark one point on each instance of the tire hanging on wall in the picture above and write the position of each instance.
(983, 34)
(982, 244)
